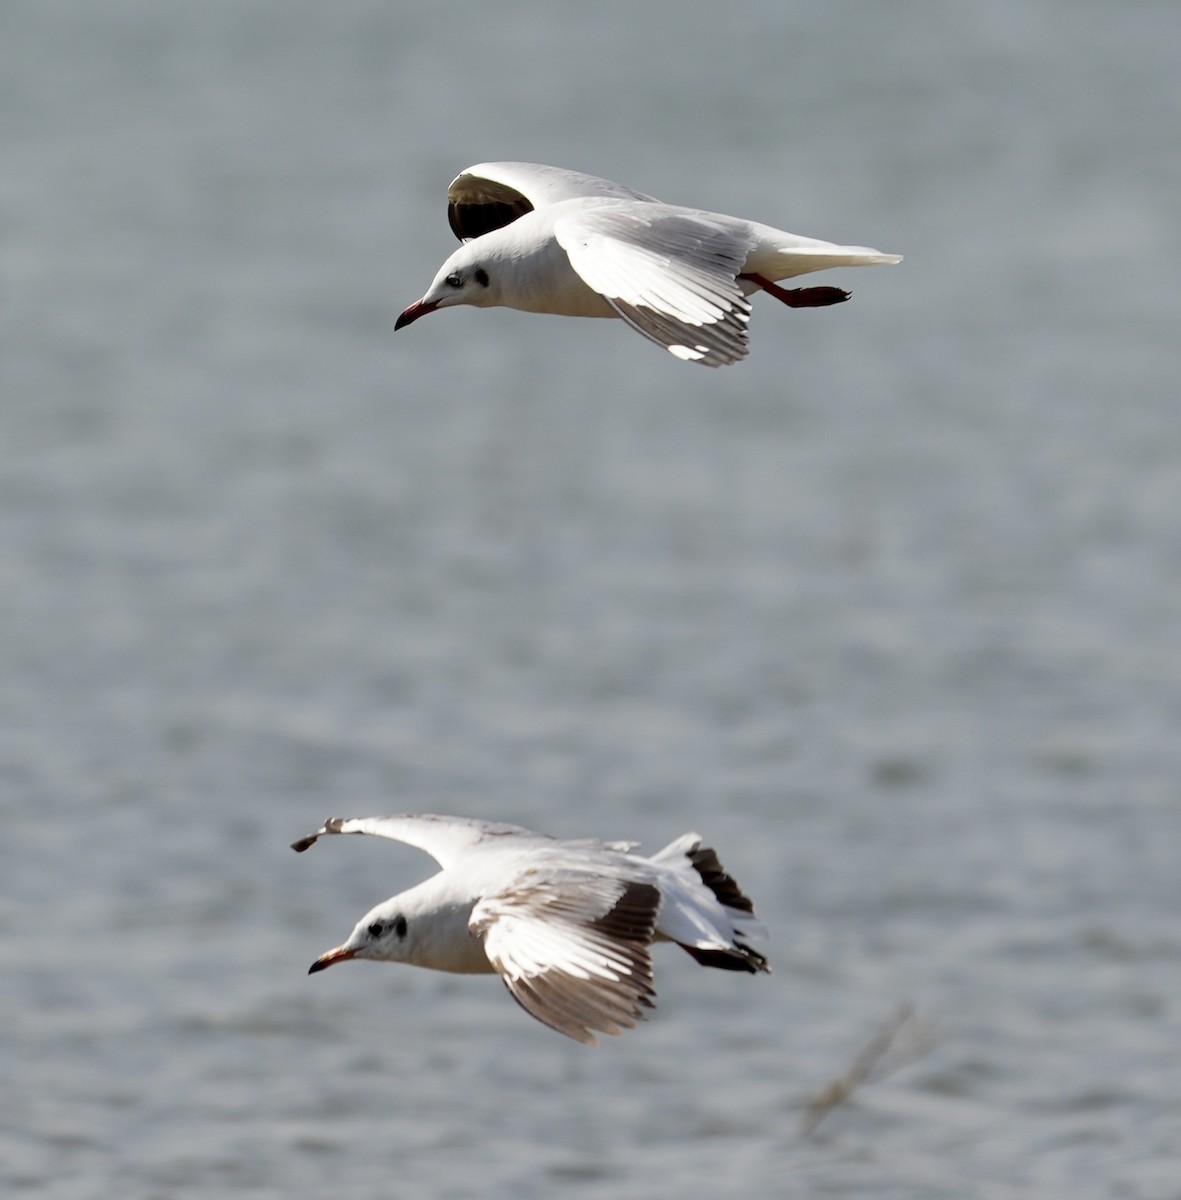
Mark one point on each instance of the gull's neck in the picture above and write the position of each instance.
(535, 272)
(438, 911)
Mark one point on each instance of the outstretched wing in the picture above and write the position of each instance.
(444, 838)
(670, 273)
(572, 948)
(491, 195)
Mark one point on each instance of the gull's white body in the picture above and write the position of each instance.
(567, 924)
(546, 240)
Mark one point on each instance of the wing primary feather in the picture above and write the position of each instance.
(576, 966)
(670, 274)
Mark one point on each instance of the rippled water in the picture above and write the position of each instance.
(889, 612)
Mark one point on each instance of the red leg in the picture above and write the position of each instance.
(813, 297)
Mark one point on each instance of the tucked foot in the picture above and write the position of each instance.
(813, 297)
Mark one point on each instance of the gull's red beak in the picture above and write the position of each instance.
(340, 954)
(419, 308)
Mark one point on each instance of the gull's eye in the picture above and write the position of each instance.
(454, 280)
(376, 929)
(400, 926)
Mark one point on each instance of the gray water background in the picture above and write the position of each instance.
(891, 612)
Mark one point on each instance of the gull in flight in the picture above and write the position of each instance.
(547, 240)
(566, 924)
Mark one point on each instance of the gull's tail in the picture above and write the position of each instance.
(791, 261)
(777, 254)
(705, 911)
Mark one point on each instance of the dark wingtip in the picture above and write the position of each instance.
(332, 825)
(739, 958)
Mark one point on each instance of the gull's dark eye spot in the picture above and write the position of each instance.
(481, 277)
(377, 929)
(400, 926)
(454, 280)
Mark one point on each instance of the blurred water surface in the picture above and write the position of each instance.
(889, 612)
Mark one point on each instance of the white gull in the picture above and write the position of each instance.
(566, 924)
(548, 240)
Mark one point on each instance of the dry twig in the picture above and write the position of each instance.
(905, 1038)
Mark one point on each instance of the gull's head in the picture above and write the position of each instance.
(469, 276)
(384, 934)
